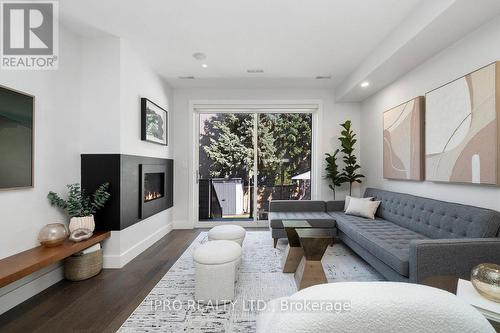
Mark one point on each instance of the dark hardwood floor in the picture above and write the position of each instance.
(103, 303)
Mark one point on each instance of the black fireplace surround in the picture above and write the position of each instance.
(139, 186)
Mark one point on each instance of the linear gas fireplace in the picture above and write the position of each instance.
(154, 186)
(152, 194)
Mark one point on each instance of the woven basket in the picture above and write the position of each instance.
(78, 268)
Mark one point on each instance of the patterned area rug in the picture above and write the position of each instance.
(169, 307)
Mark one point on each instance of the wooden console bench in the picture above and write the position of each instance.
(23, 264)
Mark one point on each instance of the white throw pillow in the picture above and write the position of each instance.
(348, 199)
(363, 208)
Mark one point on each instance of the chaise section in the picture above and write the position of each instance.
(312, 211)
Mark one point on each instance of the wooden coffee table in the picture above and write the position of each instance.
(293, 252)
(314, 242)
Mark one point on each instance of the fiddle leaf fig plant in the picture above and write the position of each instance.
(78, 203)
(347, 141)
(332, 171)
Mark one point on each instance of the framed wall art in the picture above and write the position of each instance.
(154, 123)
(16, 138)
(404, 141)
(462, 123)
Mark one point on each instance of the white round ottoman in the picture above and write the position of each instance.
(385, 307)
(230, 232)
(216, 264)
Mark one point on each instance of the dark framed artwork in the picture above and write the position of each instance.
(154, 123)
(16, 138)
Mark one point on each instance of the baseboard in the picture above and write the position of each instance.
(182, 225)
(246, 224)
(118, 261)
(21, 290)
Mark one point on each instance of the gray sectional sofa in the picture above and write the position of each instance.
(411, 239)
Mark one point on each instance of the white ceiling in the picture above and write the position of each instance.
(293, 41)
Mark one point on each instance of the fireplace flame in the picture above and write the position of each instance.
(152, 195)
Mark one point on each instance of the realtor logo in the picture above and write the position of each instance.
(29, 35)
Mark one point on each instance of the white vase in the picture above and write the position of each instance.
(86, 222)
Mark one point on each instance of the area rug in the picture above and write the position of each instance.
(169, 307)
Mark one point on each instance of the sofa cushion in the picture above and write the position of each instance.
(315, 219)
(297, 206)
(387, 241)
(436, 219)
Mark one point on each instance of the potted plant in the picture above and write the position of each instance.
(79, 206)
(347, 141)
(332, 171)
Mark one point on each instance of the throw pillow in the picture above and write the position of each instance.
(348, 199)
(363, 208)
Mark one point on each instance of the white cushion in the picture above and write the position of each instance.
(217, 252)
(363, 208)
(227, 232)
(388, 307)
(348, 199)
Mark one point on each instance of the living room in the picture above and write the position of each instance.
(250, 166)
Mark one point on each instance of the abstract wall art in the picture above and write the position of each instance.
(403, 141)
(461, 135)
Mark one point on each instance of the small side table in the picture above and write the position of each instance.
(314, 242)
(450, 284)
(293, 252)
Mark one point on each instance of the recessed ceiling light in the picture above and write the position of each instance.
(199, 56)
(186, 77)
(253, 71)
(365, 84)
(204, 65)
(323, 77)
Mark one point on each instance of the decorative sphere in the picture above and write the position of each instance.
(486, 279)
(53, 234)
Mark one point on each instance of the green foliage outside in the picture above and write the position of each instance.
(78, 203)
(283, 147)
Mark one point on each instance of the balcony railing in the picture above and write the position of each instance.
(231, 199)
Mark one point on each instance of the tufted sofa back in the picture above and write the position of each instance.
(434, 218)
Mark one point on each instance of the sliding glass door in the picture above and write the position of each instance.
(284, 158)
(238, 149)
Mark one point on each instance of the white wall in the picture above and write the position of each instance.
(331, 116)
(100, 95)
(24, 212)
(136, 80)
(114, 78)
(472, 52)
(89, 105)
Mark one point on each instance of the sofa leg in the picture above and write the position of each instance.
(275, 241)
(332, 241)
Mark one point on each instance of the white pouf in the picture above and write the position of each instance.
(216, 265)
(230, 232)
(385, 307)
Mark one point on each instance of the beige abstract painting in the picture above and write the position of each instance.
(403, 141)
(461, 129)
